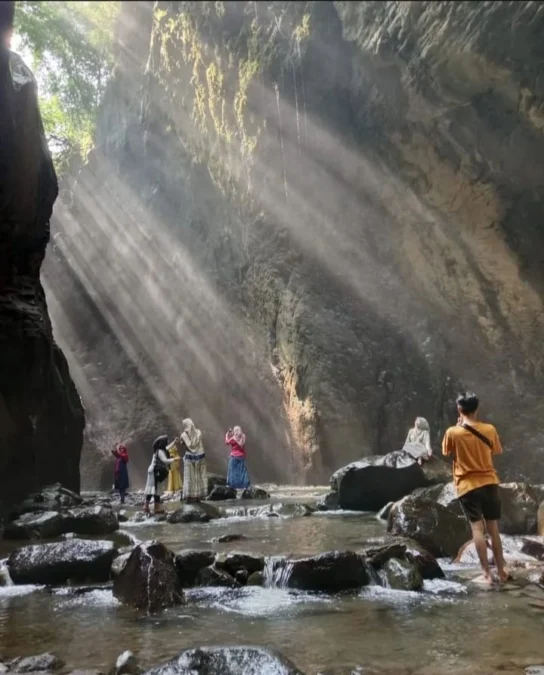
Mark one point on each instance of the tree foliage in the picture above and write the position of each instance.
(71, 44)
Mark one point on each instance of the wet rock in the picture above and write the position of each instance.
(50, 498)
(378, 554)
(533, 547)
(540, 520)
(139, 517)
(227, 538)
(75, 560)
(256, 579)
(330, 572)
(119, 564)
(519, 509)
(329, 502)
(227, 661)
(282, 510)
(425, 562)
(122, 516)
(401, 575)
(215, 576)
(241, 577)
(233, 562)
(193, 513)
(222, 493)
(41, 525)
(33, 664)
(93, 520)
(436, 471)
(369, 484)
(383, 514)
(149, 579)
(126, 664)
(378, 551)
(432, 525)
(255, 493)
(189, 563)
(215, 479)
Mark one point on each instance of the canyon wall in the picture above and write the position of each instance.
(41, 415)
(317, 219)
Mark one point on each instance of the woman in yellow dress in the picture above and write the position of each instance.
(174, 477)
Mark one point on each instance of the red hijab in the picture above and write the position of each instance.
(122, 456)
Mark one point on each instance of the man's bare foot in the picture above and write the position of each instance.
(484, 578)
(504, 576)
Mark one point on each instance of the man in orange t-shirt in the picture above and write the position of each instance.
(472, 445)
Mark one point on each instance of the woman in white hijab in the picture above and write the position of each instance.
(418, 441)
(195, 476)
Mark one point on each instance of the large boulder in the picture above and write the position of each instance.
(222, 493)
(93, 521)
(215, 576)
(50, 498)
(401, 575)
(40, 525)
(369, 484)
(292, 510)
(56, 563)
(41, 663)
(193, 513)
(328, 502)
(189, 563)
(379, 551)
(215, 479)
(255, 493)
(227, 661)
(519, 509)
(149, 579)
(329, 572)
(234, 562)
(432, 525)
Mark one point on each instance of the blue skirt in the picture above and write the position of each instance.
(237, 476)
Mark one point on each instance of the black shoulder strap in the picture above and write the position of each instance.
(476, 433)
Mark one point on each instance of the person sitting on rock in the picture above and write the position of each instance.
(157, 473)
(418, 441)
(472, 445)
(237, 475)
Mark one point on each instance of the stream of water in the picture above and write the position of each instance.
(449, 628)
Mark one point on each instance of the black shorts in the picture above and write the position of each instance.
(483, 503)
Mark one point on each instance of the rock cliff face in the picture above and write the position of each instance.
(319, 219)
(41, 416)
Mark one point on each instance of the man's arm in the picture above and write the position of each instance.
(447, 445)
(497, 447)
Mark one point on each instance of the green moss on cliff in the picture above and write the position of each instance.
(216, 53)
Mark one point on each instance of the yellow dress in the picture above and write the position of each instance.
(174, 477)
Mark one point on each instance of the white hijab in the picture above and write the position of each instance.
(191, 436)
(420, 433)
(239, 436)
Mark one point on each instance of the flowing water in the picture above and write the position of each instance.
(445, 629)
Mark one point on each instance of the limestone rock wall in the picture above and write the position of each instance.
(319, 219)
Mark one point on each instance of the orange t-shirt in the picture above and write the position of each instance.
(472, 458)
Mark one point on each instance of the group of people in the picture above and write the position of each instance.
(165, 466)
(471, 444)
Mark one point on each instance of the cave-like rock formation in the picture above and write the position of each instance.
(318, 219)
(41, 415)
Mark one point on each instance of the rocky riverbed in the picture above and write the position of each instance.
(330, 591)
